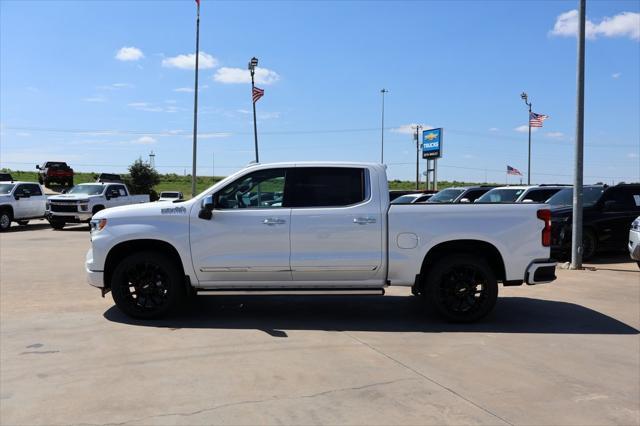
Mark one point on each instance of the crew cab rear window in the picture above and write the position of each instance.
(325, 187)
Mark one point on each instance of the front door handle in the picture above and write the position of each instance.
(363, 220)
(273, 221)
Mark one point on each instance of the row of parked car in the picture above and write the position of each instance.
(609, 212)
(21, 202)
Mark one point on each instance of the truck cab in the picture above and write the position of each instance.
(20, 202)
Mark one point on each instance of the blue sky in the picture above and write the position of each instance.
(69, 92)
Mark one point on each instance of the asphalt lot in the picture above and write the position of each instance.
(563, 353)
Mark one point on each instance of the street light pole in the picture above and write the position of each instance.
(525, 98)
(253, 63)
(383, 91)
(576, 231)
(195, 109)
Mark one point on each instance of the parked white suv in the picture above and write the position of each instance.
(19, 202)
(86, 199)
(309, 228)
(520, 194)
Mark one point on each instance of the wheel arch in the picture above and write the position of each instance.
(9, 208)
(120, 251)
(97, 208)
(478, 248)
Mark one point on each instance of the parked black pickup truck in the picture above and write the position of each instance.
(607, 216)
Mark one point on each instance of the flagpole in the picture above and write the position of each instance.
(253, 63)
(529, 159)
(195, 107)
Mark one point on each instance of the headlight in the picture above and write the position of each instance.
(84, 207)
(635, 225)
(97, 225)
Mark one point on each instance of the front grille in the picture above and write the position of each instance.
(64, 208)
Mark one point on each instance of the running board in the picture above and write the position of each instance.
(295, 291)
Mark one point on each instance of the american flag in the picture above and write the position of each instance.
(513, 171)
(257, 94)
(535, 120)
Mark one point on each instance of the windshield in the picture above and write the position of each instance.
(404, 199)
(87, 189)
(564, 197)
(169, 195)
(445, 196)
(507, 195)
(5, 188)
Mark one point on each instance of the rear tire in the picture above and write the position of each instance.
(461, 288)
(56, 224)
(147, 285)
(23, 222)
(5, 220)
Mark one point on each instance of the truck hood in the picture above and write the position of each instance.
(70, 197)
(5, 197)
(145, 210)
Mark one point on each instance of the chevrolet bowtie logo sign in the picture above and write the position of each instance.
(432, 143)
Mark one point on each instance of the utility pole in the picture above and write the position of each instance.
(383, 91)
(525, 98)
(576, 231)
(195, 107)
(418, 128)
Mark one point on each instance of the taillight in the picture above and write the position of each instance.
(545, 215)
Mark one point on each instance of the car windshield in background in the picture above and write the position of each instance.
(87, 189)
(5, 188)
(501, 196)
(564, 197)
(446, 196)
(404, 199)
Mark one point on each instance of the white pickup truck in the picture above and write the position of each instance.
(19, 202)
(85, 200)
(312, 228)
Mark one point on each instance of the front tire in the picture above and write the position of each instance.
(461, 288)
(589, 245)
(147, 285)
(5, 221)
(56, 224)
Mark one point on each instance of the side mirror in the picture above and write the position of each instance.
(38, 166)
(465, 200)
(206, 208)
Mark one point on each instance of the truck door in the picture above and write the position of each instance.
(247, 239)
(22, 206)
(336, 225)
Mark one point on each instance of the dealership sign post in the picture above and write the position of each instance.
(431, 151)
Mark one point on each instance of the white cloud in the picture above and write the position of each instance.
(243, 111)
(95, 99)
(632, 155)
(493, 129)
(116, 86)
(525, 128)
(190, 89)
(624, 24)
(228, 75)
(23, 134)
(213, 135)
(268, 115)
(144, 140)
(410, 129)
(129, 54)
(616, 75)
(188, 62)
(149, 107)
(555, 135)
(33, 89)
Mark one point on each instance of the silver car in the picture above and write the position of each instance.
(634, 240)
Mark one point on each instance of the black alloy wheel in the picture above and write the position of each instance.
(146, 285)
(462, 288)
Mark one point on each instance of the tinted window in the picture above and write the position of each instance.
(34, 189)
(116, 191)
(501, 196)
(474, 194)
(446, 195)
(540, 195)
(624, 198)
(261, 189)
(404, 199)
(325, 187)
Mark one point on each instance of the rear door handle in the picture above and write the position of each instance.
(273, 221)
(363, 220)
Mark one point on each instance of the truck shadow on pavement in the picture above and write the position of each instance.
(274, 314)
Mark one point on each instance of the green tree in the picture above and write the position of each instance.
(142, 179)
